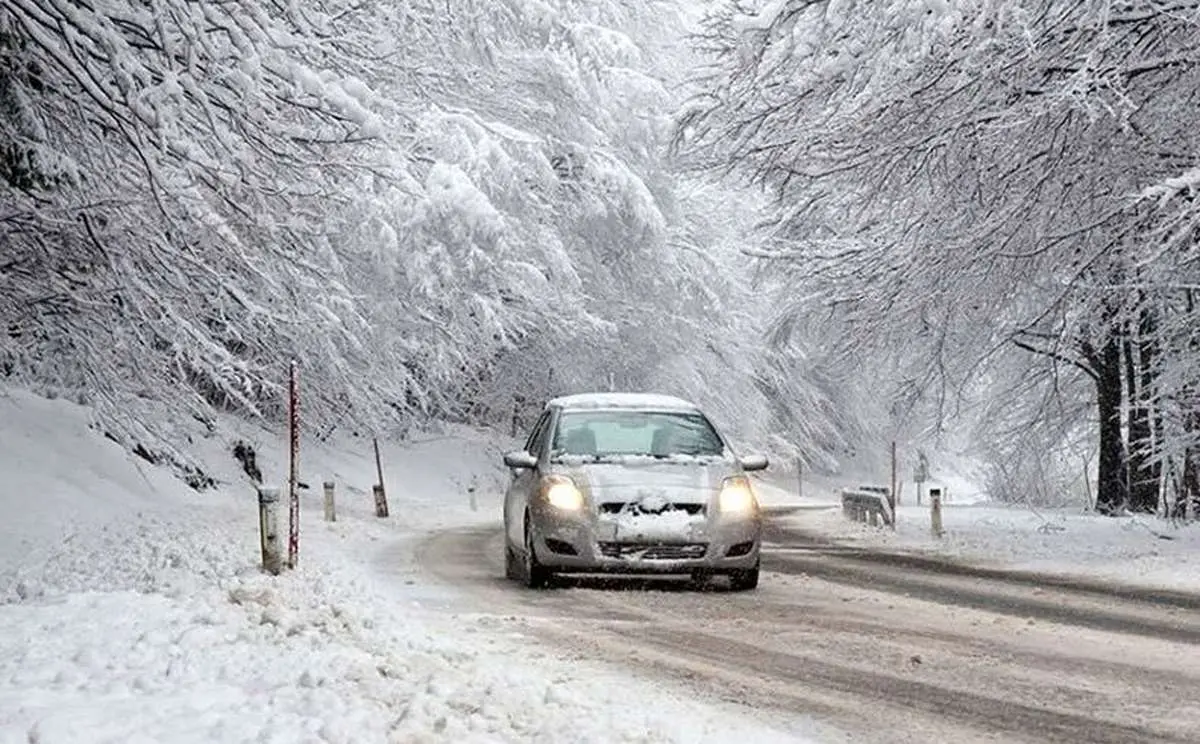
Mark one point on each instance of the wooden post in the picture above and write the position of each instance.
(330, 508)
(378, 461)
(799, 478)
(268, 529)
(381, 506)
(293, 466)
(935, 511)
(893, 500)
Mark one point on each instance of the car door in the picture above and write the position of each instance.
(524, 481)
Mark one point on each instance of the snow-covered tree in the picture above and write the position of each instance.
(956, 182)
(440, 209)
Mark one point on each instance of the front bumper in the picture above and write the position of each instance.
(586, 543)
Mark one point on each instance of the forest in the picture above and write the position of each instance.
(964, 225)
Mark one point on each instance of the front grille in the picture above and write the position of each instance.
(616, 507)
(654, 552)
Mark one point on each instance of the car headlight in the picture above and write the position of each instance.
(562, 493)
(737, 497)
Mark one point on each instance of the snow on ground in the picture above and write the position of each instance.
(134, 611)
(1132, 549)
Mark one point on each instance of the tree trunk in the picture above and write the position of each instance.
(1112, 494)
(1139, 384)
(1148, 344)
(1188, 500)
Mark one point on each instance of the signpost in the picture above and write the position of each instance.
(921, 473)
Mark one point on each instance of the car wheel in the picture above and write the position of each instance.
(536, 575)
(743, 579)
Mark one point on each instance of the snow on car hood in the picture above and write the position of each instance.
(687, 479)
(666, 526)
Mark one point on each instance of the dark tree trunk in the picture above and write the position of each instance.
(1112, 493)
(1139, 384)
(1187, 500)
(1148, 329)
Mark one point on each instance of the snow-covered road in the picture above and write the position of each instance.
(883, 654)
(133, 609)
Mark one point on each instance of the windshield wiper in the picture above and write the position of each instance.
(559, 457)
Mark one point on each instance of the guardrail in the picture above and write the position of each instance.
(867, 504)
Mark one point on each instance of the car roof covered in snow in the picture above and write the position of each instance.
(593, 401)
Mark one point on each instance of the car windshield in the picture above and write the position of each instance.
(605, 434)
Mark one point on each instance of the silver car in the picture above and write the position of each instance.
(630, 483)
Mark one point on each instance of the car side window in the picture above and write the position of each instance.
(537, 438)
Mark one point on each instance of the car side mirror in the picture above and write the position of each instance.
(750, 463)
(520, 460)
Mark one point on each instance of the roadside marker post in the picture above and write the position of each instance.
(293, 465)
(268, 529)
(330, 508)
(381, 505)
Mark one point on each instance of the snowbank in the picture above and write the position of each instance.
(1134, 550)
(133, 608)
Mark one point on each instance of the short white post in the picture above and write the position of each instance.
(268, 527)
(935, 511)
(330, 510)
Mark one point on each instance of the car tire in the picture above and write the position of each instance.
(536, 575)
(744, 579)
(512, 565)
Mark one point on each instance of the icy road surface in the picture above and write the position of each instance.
(879, 648)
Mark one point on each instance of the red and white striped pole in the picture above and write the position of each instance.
(293, 465)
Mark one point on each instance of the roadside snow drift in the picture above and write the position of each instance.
(134, 611)
(1136, 549)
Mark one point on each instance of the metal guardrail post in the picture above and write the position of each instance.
(866, 505)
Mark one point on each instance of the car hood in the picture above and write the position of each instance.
(694, 481)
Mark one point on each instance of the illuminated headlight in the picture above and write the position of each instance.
(562, 493)
(736, 496)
